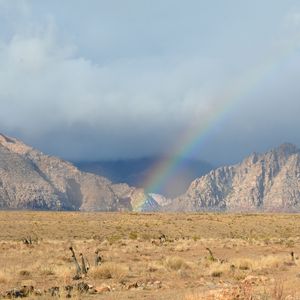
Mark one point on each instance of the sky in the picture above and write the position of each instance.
(98, 80)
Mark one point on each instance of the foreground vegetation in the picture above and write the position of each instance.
(151, 256)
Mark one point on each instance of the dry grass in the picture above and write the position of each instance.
(182, 247)
(261, 263)
(3, 278)
(251, 251)
(110, 271)
(175, 263)
(217, 269)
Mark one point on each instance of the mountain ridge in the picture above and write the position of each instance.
(30, 179)
(263, 182)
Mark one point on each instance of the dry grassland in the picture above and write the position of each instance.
(251, 255)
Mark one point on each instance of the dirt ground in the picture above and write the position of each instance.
(199, 256)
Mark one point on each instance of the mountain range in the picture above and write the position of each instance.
(135, 172)
(30, 179)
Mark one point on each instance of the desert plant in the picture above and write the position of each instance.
(133, 235)
(175, 263)
(109, 270)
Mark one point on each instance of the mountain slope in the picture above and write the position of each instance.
(31, 180)
(266, 182)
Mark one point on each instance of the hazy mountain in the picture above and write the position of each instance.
(135, 171)
(266, 182)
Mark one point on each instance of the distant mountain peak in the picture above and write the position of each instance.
(5, 139)
(135, 172)
(14, 145)
(287, 149)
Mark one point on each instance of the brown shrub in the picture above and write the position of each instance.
(110, 271)
(175, 263)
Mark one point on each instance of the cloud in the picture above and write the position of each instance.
(46, 86)
(126, 84)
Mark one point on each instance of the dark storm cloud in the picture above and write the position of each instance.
(125, 79)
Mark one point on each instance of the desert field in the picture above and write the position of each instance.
(149, 255)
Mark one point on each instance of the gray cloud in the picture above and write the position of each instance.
(114, 80)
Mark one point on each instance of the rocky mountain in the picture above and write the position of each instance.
(135, 171)
(264, 182)
(30, 179)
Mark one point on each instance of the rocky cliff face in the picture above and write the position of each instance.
(31, 180)
(266, 182)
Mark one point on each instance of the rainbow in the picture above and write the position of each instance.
(190, 142)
